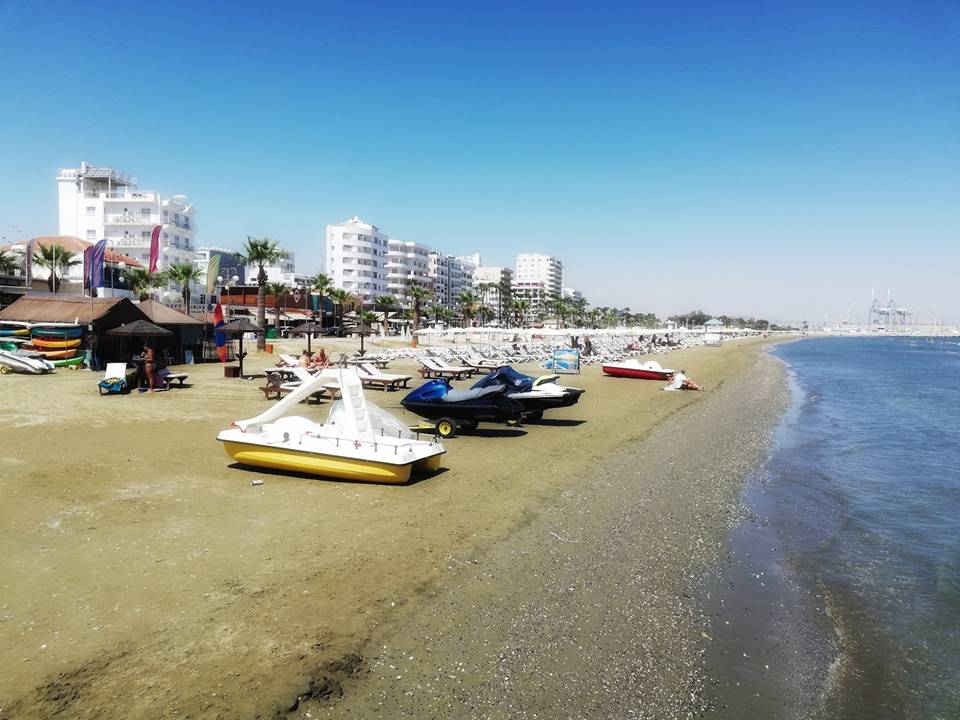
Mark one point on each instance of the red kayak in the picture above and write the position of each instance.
(631, 368)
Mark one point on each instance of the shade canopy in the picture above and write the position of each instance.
(307, 327)
(139, 328)
(239, 327)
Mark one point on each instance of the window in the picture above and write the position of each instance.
(91, 234)
(91, 210)
(145, 212)
(145, 234)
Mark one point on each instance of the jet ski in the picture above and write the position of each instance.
(438, 400)
(535, 394)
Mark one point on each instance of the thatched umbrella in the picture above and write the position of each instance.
(308, 328)
(238, 328)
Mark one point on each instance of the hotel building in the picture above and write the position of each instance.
(408, 264)
(356, 258)
(104, 202)
(450, 277)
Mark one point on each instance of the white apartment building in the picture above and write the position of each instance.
(408, 264)
(492, 275)
(283, 271)
(541, 272)
(570, 293)
(450, 276)
(356, 258)
(104, 202)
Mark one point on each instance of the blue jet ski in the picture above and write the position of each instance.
(535, 394)
(450, 408)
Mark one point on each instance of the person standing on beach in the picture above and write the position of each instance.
(149, 365)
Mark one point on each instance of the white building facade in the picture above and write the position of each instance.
(541, 271)
(450, 276)
(104, 203)
(408, 264)
(283, 271)
(356, 258)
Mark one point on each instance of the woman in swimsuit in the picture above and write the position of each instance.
(149, 365)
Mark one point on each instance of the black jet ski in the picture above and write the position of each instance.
(451, 409)
(535, 394)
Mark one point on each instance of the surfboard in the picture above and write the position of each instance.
(220, 337)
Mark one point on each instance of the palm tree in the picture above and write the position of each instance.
(8, 263)
(261, 252)
(418, 294)
(142, 282)
(504, 299)
(366, 318)
(340, 298)
(486, 313)
(278, 290)
(183, 274)
(468, 305)
(57, 260)
(385, 303)
(520, 309)
(322, 285)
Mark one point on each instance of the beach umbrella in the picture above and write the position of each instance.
(238, 328)
(308, 328)
(139, 328)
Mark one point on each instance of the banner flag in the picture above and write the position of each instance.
(213, 270)
(220, 338)
(154, 248)
(87, 254)
(95, 267)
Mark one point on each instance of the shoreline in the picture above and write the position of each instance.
(169, 583)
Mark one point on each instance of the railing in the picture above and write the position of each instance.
(133, 219)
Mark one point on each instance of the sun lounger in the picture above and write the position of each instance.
(277, 384)
(372, 376)
(436, 368)
(168, 377)
(288, 360)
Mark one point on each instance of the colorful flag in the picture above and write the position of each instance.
(213, 270)
(87, 254)
(94, 268)
(220, 337)
(154, 248)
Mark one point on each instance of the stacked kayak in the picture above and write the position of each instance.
(60, 345)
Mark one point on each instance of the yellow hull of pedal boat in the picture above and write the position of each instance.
(332, 466)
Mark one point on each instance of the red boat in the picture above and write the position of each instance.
(632, 368)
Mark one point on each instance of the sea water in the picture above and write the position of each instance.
(842, 599)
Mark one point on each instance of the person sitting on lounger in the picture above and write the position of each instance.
(320, 359)
(680, 381)
(304, 360)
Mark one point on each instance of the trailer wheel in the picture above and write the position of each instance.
(535, 416)
(469, 425)
(446, 427)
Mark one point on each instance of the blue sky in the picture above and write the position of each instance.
(774, 158)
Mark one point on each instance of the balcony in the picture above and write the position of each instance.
(123, 195)
(131, 219)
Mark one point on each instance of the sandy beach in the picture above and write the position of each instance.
(549, 570)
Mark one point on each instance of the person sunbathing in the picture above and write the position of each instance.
(680, 381)
(320, 359)
(304, 360)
